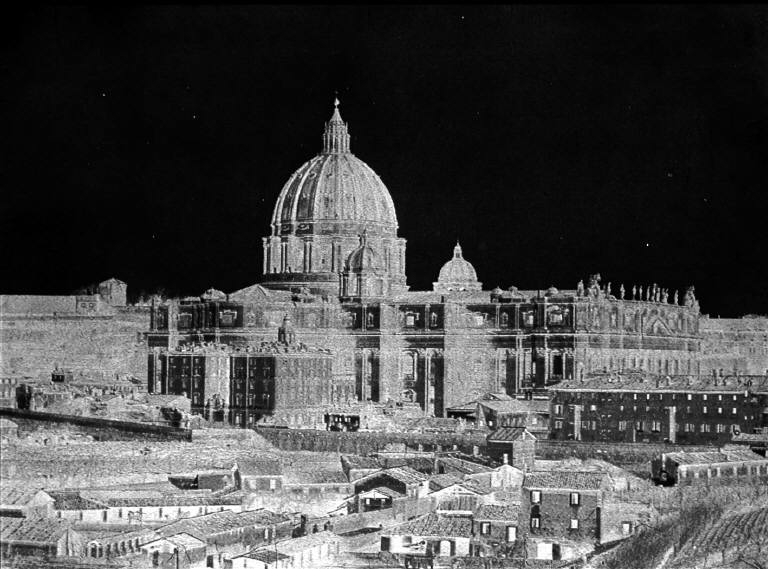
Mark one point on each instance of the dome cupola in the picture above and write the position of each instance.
(458, 274)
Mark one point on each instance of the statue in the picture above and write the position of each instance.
(608, 289)
(634, 292)
(621, 291)
(690, 297)
(675, 301)
(664, 296)
(641, 293)
(580, 288)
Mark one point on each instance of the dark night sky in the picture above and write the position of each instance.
(150, 144)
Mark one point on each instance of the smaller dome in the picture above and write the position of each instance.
(364, 258)
(457, 274)
(213, 294)
(552, 291)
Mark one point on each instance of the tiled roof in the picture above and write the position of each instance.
(353, 461)
(38, 530)
(266, 556)
(564, 479)
(259, 468)
(440, 481)
(510, 434)
(434, 525)
(16, 496)
(641, 381)
(729, 455)
(502, 512)
(203, 527)
(386, 491)
(153, 498)
(183, 540)
(68, 501)
(464, 466)
(404, 474)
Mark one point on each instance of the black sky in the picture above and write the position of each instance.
(150, 144)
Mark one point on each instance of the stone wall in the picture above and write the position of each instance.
(99, 429)
(97, 347)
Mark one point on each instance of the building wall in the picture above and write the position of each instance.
(685, 417)
(733, 346)
(556, 512)
(96, 346)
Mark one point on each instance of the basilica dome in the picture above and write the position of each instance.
(335, 191)
(458, 274)
(333, 219)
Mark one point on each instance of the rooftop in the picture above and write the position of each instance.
(404, 474)
(738, 531)
(434, 525)
(16, 496)
(564, 479)
(638, 380)
(183, 540)
(463, 466)
(38, 530)
(723, 455)
(501, 512)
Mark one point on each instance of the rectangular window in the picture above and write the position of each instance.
(535, 497)
(626, 528)
(622, 425)
(704, 397)
(593, 407)
(485, 528)
(511, 533)
(574, 498)
(719, 410)
(689, 396)
(733, 411)
(704, 409)
(558, 424)
(535, 523)
(272, 484)
(558, 409)
(574, 523)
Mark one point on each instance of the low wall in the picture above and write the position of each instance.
(99, 429)
(363, 443)
(617, 453)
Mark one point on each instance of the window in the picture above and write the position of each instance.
(733, 411)
(535, 523)
(719, 428)
(656, 426)
(621, 407)
(719, 410)
(511, 533)
(626, 528)
(558, 424)
(535, 497)
(622, 425)
(689, 396)
(272, 484)
(575, 498)
(704, 427)
(209, 561)
(574, 523)
(558, 409)
(704, 397)
(485, 528)
(704, 409)
(593, 407)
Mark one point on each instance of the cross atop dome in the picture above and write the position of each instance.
(457, 251)
(336, 137)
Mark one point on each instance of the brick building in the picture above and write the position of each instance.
(639, 407)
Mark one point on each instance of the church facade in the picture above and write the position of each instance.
(335, 265)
